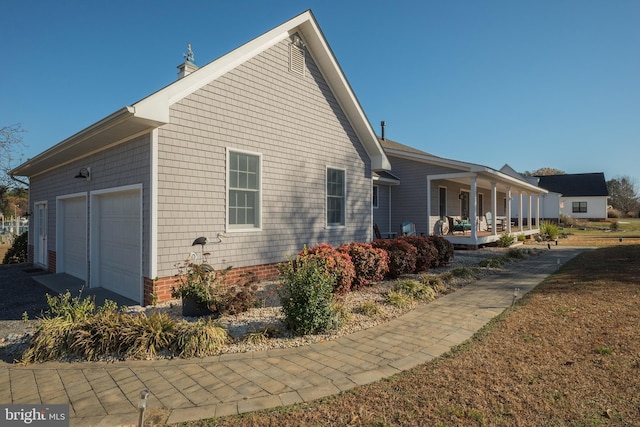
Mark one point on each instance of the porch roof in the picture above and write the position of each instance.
(463, 170)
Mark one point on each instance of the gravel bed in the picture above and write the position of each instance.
(23, 294)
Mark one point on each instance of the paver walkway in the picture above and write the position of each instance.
(107, 394)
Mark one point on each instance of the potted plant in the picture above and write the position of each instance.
(197, 286)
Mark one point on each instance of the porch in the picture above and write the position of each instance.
(482, 238)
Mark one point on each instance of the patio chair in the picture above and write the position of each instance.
(457, 225)
(376, 232)
(408, 228)
(489, 217)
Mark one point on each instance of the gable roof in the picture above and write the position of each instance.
(575, 185)
(153, 110)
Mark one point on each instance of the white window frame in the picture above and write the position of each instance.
(326, 197)
(234, 228)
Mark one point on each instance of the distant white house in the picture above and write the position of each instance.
(582, 195)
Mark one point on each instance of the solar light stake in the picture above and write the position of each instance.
(142, 406)
(516, 292)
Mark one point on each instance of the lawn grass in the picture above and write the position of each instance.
(568, 354)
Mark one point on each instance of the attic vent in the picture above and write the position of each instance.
(296, 59)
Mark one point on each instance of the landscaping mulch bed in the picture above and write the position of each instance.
(567, 355)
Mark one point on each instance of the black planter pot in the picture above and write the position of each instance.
(192, 308)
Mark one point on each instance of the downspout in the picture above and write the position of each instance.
(19, 180)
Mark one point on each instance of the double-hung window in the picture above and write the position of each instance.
(336, 197)
(579, 207)
(244, 190)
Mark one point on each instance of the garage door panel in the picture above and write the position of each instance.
(119, 243)
(74, 237)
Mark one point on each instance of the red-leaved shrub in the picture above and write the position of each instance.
(427, 254)
(402, 256)
(337, 263)
(444, 248)
(371, 264)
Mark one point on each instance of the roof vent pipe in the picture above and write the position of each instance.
(383, 124)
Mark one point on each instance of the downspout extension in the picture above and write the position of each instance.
(19, 180)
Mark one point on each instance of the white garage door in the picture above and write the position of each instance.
(74, 237)
(117, 242)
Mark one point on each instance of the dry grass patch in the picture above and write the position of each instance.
(568, 354)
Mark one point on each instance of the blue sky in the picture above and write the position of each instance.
(529, 83)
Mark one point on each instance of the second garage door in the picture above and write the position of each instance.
(117, 243)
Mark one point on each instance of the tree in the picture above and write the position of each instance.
(622, 194)
(11, 147)
(544, 172)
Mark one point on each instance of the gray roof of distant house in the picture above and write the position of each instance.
(576, 185)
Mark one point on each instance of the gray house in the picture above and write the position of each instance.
(267, 145)
(470, 204)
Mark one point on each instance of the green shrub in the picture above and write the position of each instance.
(402, 256)
(444, 248)
(199, 339)
(306, 295)
(435, 282)
(74, 327)
(465, 273)
(426, 252)
(371, 264)
(493, 262)
(398, 299)
(415, 290)
(338, 263)
(18, 252)
(148, 335)
(549, 230)
(505, 240)
(614, 226)
(369, 308)
(521, 237)
(516, 253)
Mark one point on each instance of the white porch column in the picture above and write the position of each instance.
(474, 208)
(494, 209)
(390, 222)
(520, 211)
(538, 211)
(530, 212)
(429, 228)
(508, 213)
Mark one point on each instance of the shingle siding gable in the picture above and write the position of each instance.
(297, 126)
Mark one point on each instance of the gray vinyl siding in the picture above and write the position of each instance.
(297, 126)
(409, 199)
(127, 163)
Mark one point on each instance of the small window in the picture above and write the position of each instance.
(579, 207)
(336, 197)
(375, 196)
(244, 190)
